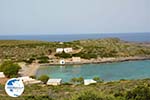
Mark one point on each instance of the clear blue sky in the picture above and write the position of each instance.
(74, 16)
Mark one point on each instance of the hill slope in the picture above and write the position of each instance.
(109, 47)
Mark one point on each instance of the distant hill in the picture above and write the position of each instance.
(20, 50)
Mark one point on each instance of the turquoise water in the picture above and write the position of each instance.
(107, 71)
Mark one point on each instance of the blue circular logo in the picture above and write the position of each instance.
(14, 87)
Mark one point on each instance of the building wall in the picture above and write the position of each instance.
(68, 50)
(54, 83)
(59, 50)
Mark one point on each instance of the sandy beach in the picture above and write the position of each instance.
(28, 70)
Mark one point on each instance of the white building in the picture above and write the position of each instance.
(59, 50)
(28, 80)
(2, 75)
(68, 50)
(54, 81)
(76, 59)
(89, 81)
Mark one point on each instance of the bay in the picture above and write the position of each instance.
(106, 71)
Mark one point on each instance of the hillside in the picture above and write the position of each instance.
(20, 50)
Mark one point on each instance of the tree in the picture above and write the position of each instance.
(44, 78)
(9, 68)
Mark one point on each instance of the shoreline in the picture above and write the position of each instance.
(30, 70)
(97, 61)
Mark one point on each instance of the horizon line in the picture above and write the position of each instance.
(69, 33)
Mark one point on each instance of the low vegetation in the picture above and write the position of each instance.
(119, 90)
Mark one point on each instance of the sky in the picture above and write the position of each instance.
(73, 16)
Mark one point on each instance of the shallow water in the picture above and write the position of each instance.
(106, 71)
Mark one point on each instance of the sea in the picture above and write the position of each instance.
(128, 70)
(133, 37)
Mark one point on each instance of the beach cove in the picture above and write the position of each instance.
(31, 69)
(107, 71)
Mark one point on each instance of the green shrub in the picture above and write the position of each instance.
(85, 55)
(30, 60)
(63, 55)
(43, 57)
(66, 83)
(73, 80)
(9, 68)
(97, 79)
(43, 61)
(44, 78)
(79, 80)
